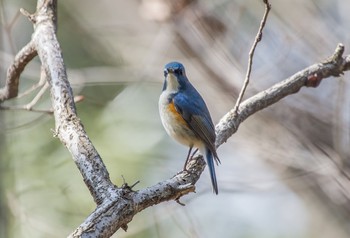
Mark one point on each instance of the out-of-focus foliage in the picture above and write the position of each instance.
(282, 173)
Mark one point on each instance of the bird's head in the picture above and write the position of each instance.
(175, 77)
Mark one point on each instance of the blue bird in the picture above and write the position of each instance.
(186, 118)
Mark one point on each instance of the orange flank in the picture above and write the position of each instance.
(177, 116)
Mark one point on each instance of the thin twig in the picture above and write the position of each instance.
(24, 108)
(33, 88)
(30, 105)
(39, 95)
(25, 13)
(251, 55)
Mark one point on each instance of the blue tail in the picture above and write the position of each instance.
(211, 166)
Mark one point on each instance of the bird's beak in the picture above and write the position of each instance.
(170, 71)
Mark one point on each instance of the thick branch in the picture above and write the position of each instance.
(125, 204)
(68, 126)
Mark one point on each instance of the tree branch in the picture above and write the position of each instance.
(258, 38)
(117, 206)
(336, 65)
(128, 203)
(24, 56)
(68, 126)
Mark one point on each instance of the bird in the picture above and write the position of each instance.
(186, 118)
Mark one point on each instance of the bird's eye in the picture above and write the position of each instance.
(178, 71)
(165, 72)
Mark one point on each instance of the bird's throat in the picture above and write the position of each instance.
(172, 83)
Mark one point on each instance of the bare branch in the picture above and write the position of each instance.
(24, 56)
(117, 206)
(258, 38)
(30, 105)
(68, 126)
(31, 17)
(130, 203)
(25, 108)
(125, 204)
(309, 77)
(41, 83)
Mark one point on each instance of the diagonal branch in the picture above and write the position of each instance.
(336, 65)
(69, 129)
(29, 106)
(24, 56)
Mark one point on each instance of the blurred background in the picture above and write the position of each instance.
(284, 174)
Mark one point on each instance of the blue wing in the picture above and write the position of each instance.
(196, 115)
(195, 112)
